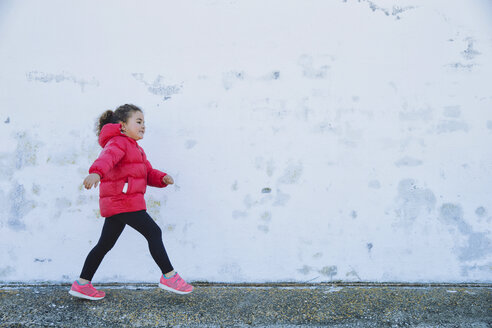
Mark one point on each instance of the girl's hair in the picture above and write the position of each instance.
(121, 114)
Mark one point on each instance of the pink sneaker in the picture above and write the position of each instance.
(86, 291)
(175, 284)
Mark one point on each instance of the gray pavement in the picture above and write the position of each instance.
(281, 305)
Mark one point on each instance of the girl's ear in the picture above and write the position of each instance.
(123, 126)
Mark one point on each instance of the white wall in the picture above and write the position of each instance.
(309, 140)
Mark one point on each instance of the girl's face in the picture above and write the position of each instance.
(134, 126)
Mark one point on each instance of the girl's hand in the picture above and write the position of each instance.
(92, 180)
(167, 179)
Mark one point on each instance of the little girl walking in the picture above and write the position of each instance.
(124, 173)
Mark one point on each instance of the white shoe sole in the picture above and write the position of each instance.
(79, 295)
(173, 290)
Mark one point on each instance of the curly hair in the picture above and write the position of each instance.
(121, 114)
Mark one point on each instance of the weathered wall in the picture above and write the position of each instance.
(309, 140)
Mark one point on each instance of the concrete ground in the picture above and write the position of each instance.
(281, 305)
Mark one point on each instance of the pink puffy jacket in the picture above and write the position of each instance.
(122, 161)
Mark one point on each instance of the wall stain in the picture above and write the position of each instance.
(19, 207)
(154, 206)
(281, 199)
(408, 161)
(375, 184)
(305, 269)
(6, 271)
(452, 214)
(190, 143)
(57, 78)
(239, 214)
(230, 78)
(461, 67)
(329, 271)
(354, 274)
(36, 189)
(263, 228)
(394, 11)
(26, 151)
(61, 204)
(449, 126)
(292, 173)
(412, 201)
(481, 211)
(470, 53)
(419, 114)
(479, 245)
(310, 71)
(157, 87)
(452, 111)
(266, 216)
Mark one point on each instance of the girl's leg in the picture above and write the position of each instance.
(112, 229)
(143, 223)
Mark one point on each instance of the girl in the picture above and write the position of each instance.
(124, 173)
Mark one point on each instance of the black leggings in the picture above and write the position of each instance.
(112, 229)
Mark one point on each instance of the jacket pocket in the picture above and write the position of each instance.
(130, 185)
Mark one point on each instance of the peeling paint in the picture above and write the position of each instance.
(470, 53)
(57, 78)
(26, 151)
(158, 87)
(394, 11)
(19, 207)
(461, 66)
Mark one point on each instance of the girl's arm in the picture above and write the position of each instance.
(155, 178)
(109, 157)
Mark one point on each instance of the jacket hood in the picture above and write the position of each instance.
(109, 131)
